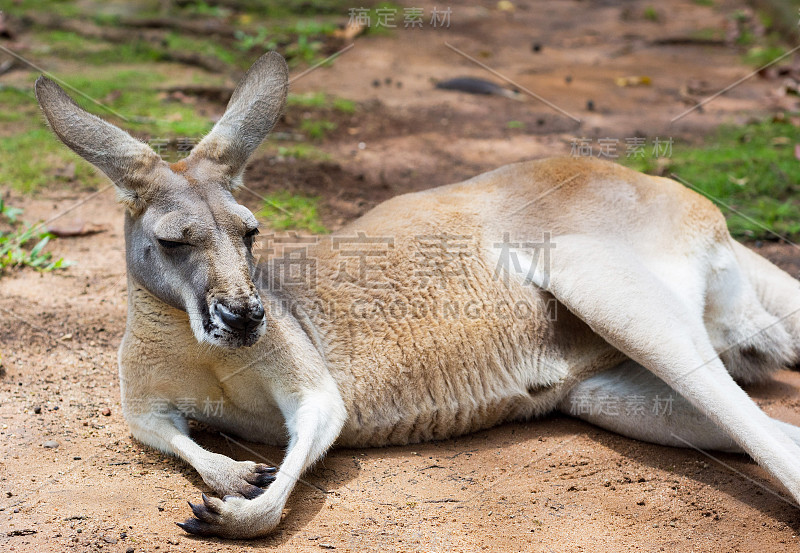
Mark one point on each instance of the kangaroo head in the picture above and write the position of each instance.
(188, 242)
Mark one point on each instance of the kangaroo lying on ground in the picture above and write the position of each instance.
(409, 326)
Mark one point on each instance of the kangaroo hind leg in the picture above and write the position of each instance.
(777, 291)
(622, 300)
(633, 402)
(753, 337)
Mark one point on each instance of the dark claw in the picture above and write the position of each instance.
(197, 527)
(261, 479)
(252, 492)
(203, 513)
(210, 506)
(265, 480)
(265, 468)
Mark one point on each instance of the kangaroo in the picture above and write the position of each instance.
(409, 327)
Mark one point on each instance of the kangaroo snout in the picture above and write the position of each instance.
(239, 319)
(242, 323)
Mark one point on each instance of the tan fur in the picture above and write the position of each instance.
(640, 292)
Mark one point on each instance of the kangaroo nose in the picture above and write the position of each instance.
(240, 321)
(256, 315)
(233, 320)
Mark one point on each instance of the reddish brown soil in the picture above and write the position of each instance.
(554, 484)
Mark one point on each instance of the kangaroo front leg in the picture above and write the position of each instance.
(169, 432)
(314, 420)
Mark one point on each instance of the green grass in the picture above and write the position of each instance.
(203, 9)
(205, 47)
(302, 151)
(752, 169)
(759, 56)
(320, 100)
(295, 8)
(285, 211)
(315, 125)
(316, 129)
(135, 96)
(317, 100)
(708, 33)
(93, 51)
(127, 78)
(301, 40)
(24, 245)
(32, 158)
(17, 104)
(63, 8)
(651, 14)
(32, 154)
(344, 106)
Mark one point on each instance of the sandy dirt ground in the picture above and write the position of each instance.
(550, 485)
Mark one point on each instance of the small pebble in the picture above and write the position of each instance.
(37, 409)
(106, 412)
(327, 546)
(15, 511)
(130, 550)
(536, 47)
(76, 458)
(110, 540)
(376, 83)
(50, 444)
(590, 105)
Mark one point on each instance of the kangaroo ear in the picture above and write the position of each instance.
(253, 110)
(128, 162)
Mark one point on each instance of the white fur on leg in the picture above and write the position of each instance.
(168, 432)
(633, 402)
(314, 420)
(622, 301)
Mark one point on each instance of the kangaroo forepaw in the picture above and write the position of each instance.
(230, 517)
(241, 478)
(262, 476)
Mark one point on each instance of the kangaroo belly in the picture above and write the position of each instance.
(439, 409)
